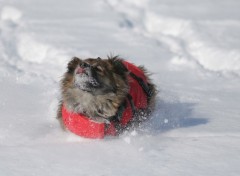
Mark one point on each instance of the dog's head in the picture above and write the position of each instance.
(98, 76)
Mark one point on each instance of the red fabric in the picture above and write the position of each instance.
(136, 91)
(82, 126)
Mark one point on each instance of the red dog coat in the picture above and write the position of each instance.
(83, 126)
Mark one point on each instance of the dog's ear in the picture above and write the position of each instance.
(73, 64)
(118, 65)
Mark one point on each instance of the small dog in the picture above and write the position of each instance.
(99, 89)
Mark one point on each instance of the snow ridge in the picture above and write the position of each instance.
(194, 43)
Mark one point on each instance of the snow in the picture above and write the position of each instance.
(192, 49)
(10, 13)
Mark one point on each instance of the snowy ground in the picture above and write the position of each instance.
(191, 46)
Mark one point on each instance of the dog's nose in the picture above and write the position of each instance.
(80, 70)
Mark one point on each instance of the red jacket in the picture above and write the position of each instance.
(83, 126)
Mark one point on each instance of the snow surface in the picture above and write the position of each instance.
(190, 46)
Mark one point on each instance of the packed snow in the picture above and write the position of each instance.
(192, 49)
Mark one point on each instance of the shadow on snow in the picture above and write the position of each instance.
(171, 115)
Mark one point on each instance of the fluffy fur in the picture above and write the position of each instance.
(96, 88)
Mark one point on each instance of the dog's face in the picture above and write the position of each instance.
(86, 76)
(93, 75)
(94, 87)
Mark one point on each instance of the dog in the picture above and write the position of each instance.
(107, 91)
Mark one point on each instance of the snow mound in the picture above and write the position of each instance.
(21, 50)
(31, 50)
(10, 13)
(214, 54)
(202, 43)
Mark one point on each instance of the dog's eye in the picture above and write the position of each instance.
(99, 68)
(84, 64)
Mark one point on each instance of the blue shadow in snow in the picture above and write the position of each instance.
(171, 115)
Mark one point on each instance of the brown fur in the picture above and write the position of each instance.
(100, 102)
